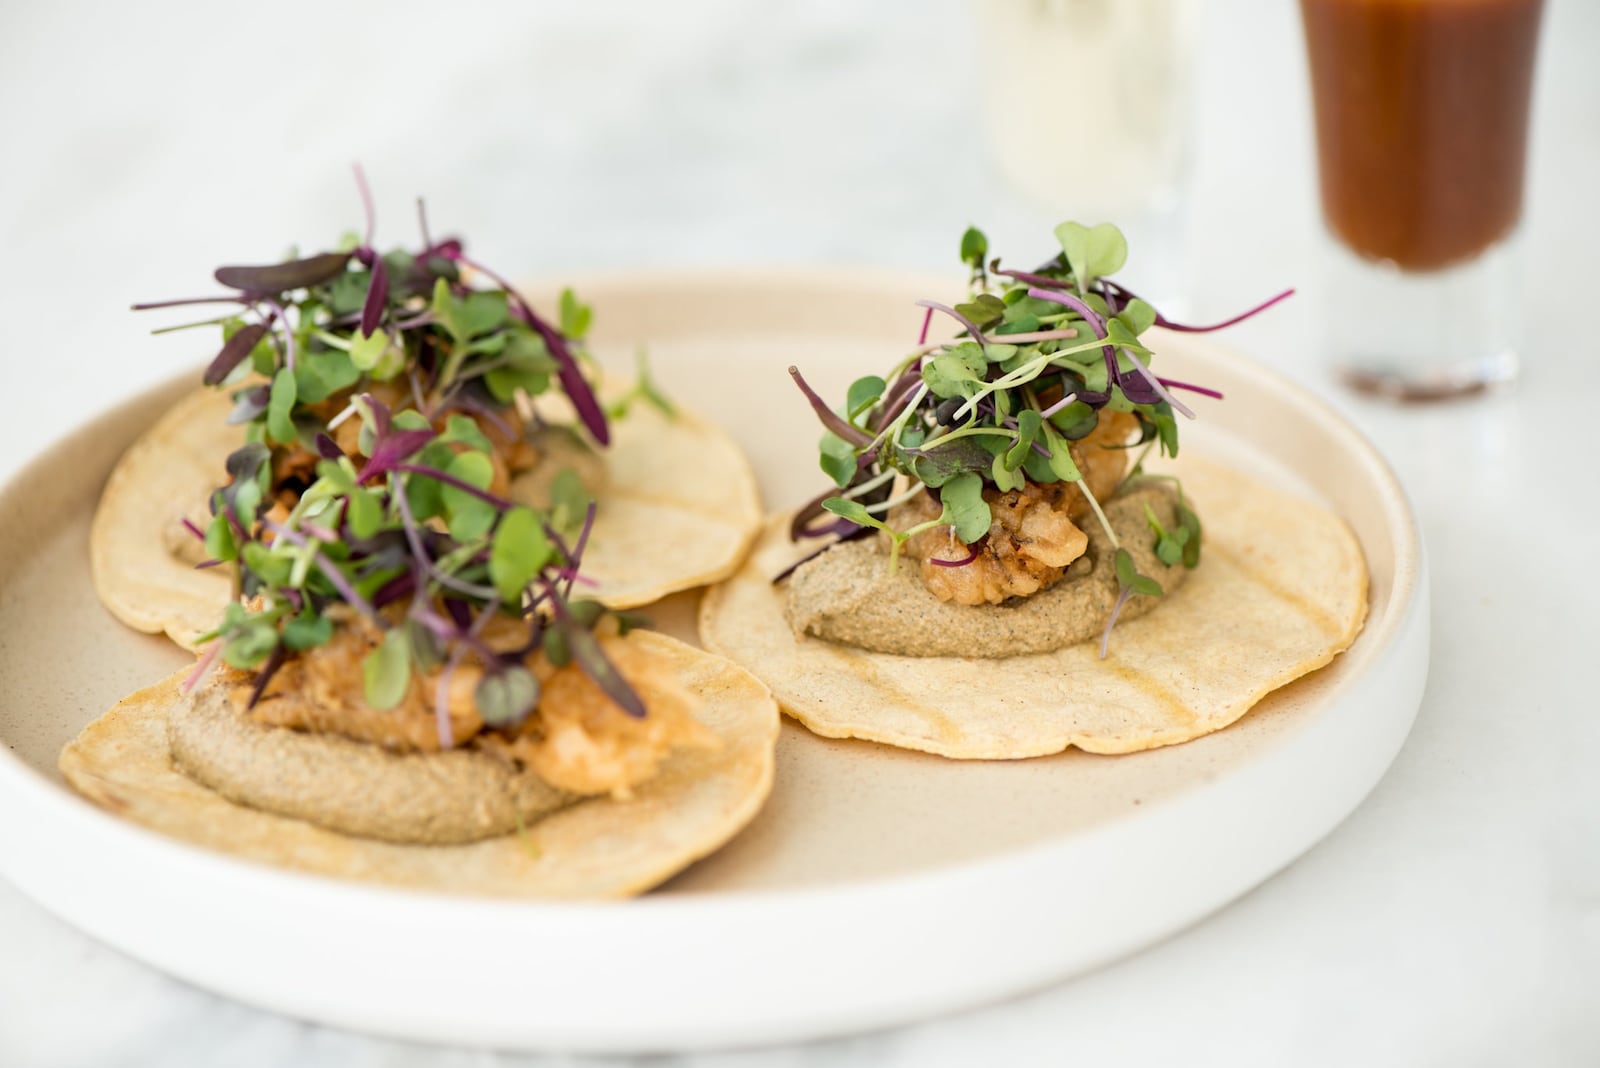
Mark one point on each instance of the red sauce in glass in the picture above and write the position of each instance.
(1422, 122)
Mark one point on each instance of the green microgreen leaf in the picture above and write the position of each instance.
(446, 311)
(273, 567)
(837, 459)
(983, 311)
(347, 293)
(574, 315)
(1005, 478)
(220, 543)
(386, 671)
(968, 511)
(319, 375)
(364, 513)
(376, 353)
(1076, 421)
(1030, 424)
(467, 515)
(854, 511)
(974, 248)
(1061, 463)
(280, 424)
(1129, 578)
(505, 697)
(556, 649)
(520, 550)
(1137, 316)
(863, 394)
(463, 430)
(644, 388)
(940, 463)
(1166, 426)
(569, 502)
(1169, 544)
(1092, 252)
(249, 644)
(1191, 545)
(956, 372)
(481, 311)
(307, 632)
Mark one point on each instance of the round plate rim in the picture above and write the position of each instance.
(37, 795)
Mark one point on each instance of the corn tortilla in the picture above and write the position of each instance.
(597, 848)
(1281, 589)
(678, 508)
(165, 477)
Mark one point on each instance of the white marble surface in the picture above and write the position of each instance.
(1454, 919)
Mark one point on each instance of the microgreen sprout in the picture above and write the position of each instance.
(1038, 357)
(408, 538)
(310, 334)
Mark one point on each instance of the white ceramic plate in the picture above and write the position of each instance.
(877, 887)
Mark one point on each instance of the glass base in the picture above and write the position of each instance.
(1419, 336)
(1406, 386)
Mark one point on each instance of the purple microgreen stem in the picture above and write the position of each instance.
(898, 395)
(450, 480)
(207, 660)
(975, 550)
(264, 676)
(1161, 320)
(329, 571)
(829, 418)
(1166, 394)
(1116, 610)
(575, 557)
(288, 332)
(366, 205)
(1172, 383)
(377, 298)
(233, 352)
(967, 324)
(1041, 281)
(441, 699)
(392, 448)
(150, 305)
(571, 376)
(1090, 316)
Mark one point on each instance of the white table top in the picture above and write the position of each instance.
(1453, 919)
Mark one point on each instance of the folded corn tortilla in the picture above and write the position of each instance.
(596, 848)
(677, 508)
(1281, 589)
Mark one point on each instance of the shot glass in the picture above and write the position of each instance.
(1421, 113)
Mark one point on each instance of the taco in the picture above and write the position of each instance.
(407, 690)
(1003, 501)
(445, 344)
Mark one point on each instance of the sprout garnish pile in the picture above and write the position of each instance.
(399, 524)
(406, 536)
(1039, 356)
(340, 323)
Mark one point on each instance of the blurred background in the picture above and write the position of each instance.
(145, 144)
(141, 145)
